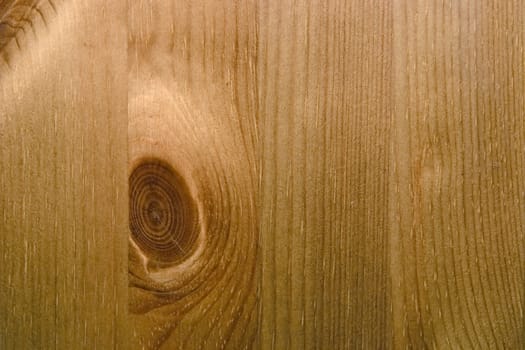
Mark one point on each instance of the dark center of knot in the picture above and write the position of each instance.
(163, 215)
(155, 213)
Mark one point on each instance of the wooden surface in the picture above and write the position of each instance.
(457, 195)
(280, 175)
(325, 108)
(192, 104)
(63, 179)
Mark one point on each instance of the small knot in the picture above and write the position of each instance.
(163, 215)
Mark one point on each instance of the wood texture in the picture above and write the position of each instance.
(457, 199)
(193, 105)
(324, 87)
(280, 174)
(63, 179)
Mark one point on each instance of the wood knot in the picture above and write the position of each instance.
(163, 216)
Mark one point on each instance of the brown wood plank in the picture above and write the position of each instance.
(457, 191)
(325, 109)
(63, 201)
(280, 175)
(192, 106)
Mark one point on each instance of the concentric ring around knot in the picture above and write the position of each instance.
(162, 213)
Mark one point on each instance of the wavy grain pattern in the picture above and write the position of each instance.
(262, 174)
(17, 18)
(192, 103)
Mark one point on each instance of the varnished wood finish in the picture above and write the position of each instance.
(63, 179)
(325, 106)
(193, 105)
(280, 175)
(457, 200)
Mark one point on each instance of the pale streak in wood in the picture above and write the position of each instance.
(192, 103)
(457, 199)
(63, 193)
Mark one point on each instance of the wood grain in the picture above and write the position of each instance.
(17, 21)
(63, 180)
(324, 87)
(457, 193)
(192, 105)
(279, 175)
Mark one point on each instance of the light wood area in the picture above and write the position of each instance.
(262, 174)
(63, 178)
